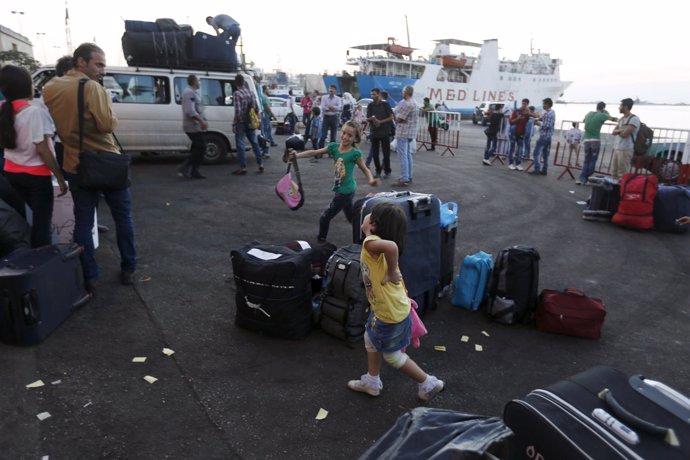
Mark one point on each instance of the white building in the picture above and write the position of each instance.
(11, 40)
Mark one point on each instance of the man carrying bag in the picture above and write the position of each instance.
(89, 180)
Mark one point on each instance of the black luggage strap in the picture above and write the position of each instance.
(80, 109)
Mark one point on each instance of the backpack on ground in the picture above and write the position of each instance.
(514, 284)
(344, 306)
(469, 285)
(636, 207)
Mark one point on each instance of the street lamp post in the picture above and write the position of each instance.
(20, 13)
(42, 39)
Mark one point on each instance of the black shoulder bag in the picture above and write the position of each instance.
(106, 171)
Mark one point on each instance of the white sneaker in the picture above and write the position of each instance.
(430, 388)
(366, 384)
(519, 168)
(486, 162)
(511, 167)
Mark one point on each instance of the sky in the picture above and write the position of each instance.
(609, 49)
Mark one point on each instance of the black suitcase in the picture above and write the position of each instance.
(39, 289)
(140, 26)
(156, 49)
(565, 421)
(448, 237)
(604, 199)
(274, 293)
(420, 263)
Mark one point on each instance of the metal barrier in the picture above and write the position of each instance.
(447, 131)
(664, 158)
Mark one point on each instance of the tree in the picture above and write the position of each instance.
(19, 58)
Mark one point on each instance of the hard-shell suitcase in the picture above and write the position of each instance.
(604, 199)
(39, 289)
(273, 290)
(420, 263)
(599, 414)
(470, 284)
(671, 203)
(570, 312)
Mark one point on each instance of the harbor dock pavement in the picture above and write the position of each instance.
(230, 393)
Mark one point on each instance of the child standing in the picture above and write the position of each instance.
(345, 156)
(315, 127)
(573, 139)
(389, 325)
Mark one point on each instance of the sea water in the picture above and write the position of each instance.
(654, 116)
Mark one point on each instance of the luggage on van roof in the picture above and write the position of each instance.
(165, 44)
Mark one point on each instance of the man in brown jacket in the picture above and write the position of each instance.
(60, 95)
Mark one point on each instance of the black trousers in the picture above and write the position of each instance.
(197, 151)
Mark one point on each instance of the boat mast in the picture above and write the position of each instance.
(407, 27)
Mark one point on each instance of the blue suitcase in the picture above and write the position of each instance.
(211, 52)
(420, 263)
(671, 203)
(39, 289)
(470, 284)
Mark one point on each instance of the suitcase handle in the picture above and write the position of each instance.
(574, 291)
(71, 252)
(636, 421)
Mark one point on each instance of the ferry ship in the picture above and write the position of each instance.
(458, 81)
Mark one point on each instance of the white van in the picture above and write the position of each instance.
(147, 104)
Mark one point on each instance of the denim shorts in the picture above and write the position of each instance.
(387, 337)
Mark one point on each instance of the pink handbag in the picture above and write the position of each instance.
(290, 192)
(418, 328)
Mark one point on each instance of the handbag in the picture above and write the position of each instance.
(287, 190)
(254, 119)
(99, 170)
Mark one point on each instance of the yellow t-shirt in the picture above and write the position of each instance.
(389, 302)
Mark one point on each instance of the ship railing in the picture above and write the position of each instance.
(665, 157)
(438, 131)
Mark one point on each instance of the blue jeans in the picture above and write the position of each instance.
(292, 122)
(405, 156)
(329, 123)
(120, 204)
(232, 35)
(242, 132)
(591, 156)
(519, 141)
(491, 144)
(340, 202)
(266, 129)
(528, 146)
(541, 149)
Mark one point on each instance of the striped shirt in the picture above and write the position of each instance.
(406, 110)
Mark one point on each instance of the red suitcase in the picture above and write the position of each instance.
(570, 312)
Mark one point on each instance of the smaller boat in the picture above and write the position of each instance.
(453, 62)
(397, 50)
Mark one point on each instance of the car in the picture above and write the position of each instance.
(364, 102)
(483, 112)
(280, 109)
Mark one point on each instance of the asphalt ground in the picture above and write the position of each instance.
(231, 393)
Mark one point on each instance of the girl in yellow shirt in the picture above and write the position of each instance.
(389, 325)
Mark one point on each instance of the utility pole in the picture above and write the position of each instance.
(42, 38)
(20, 14)
(68, 32)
